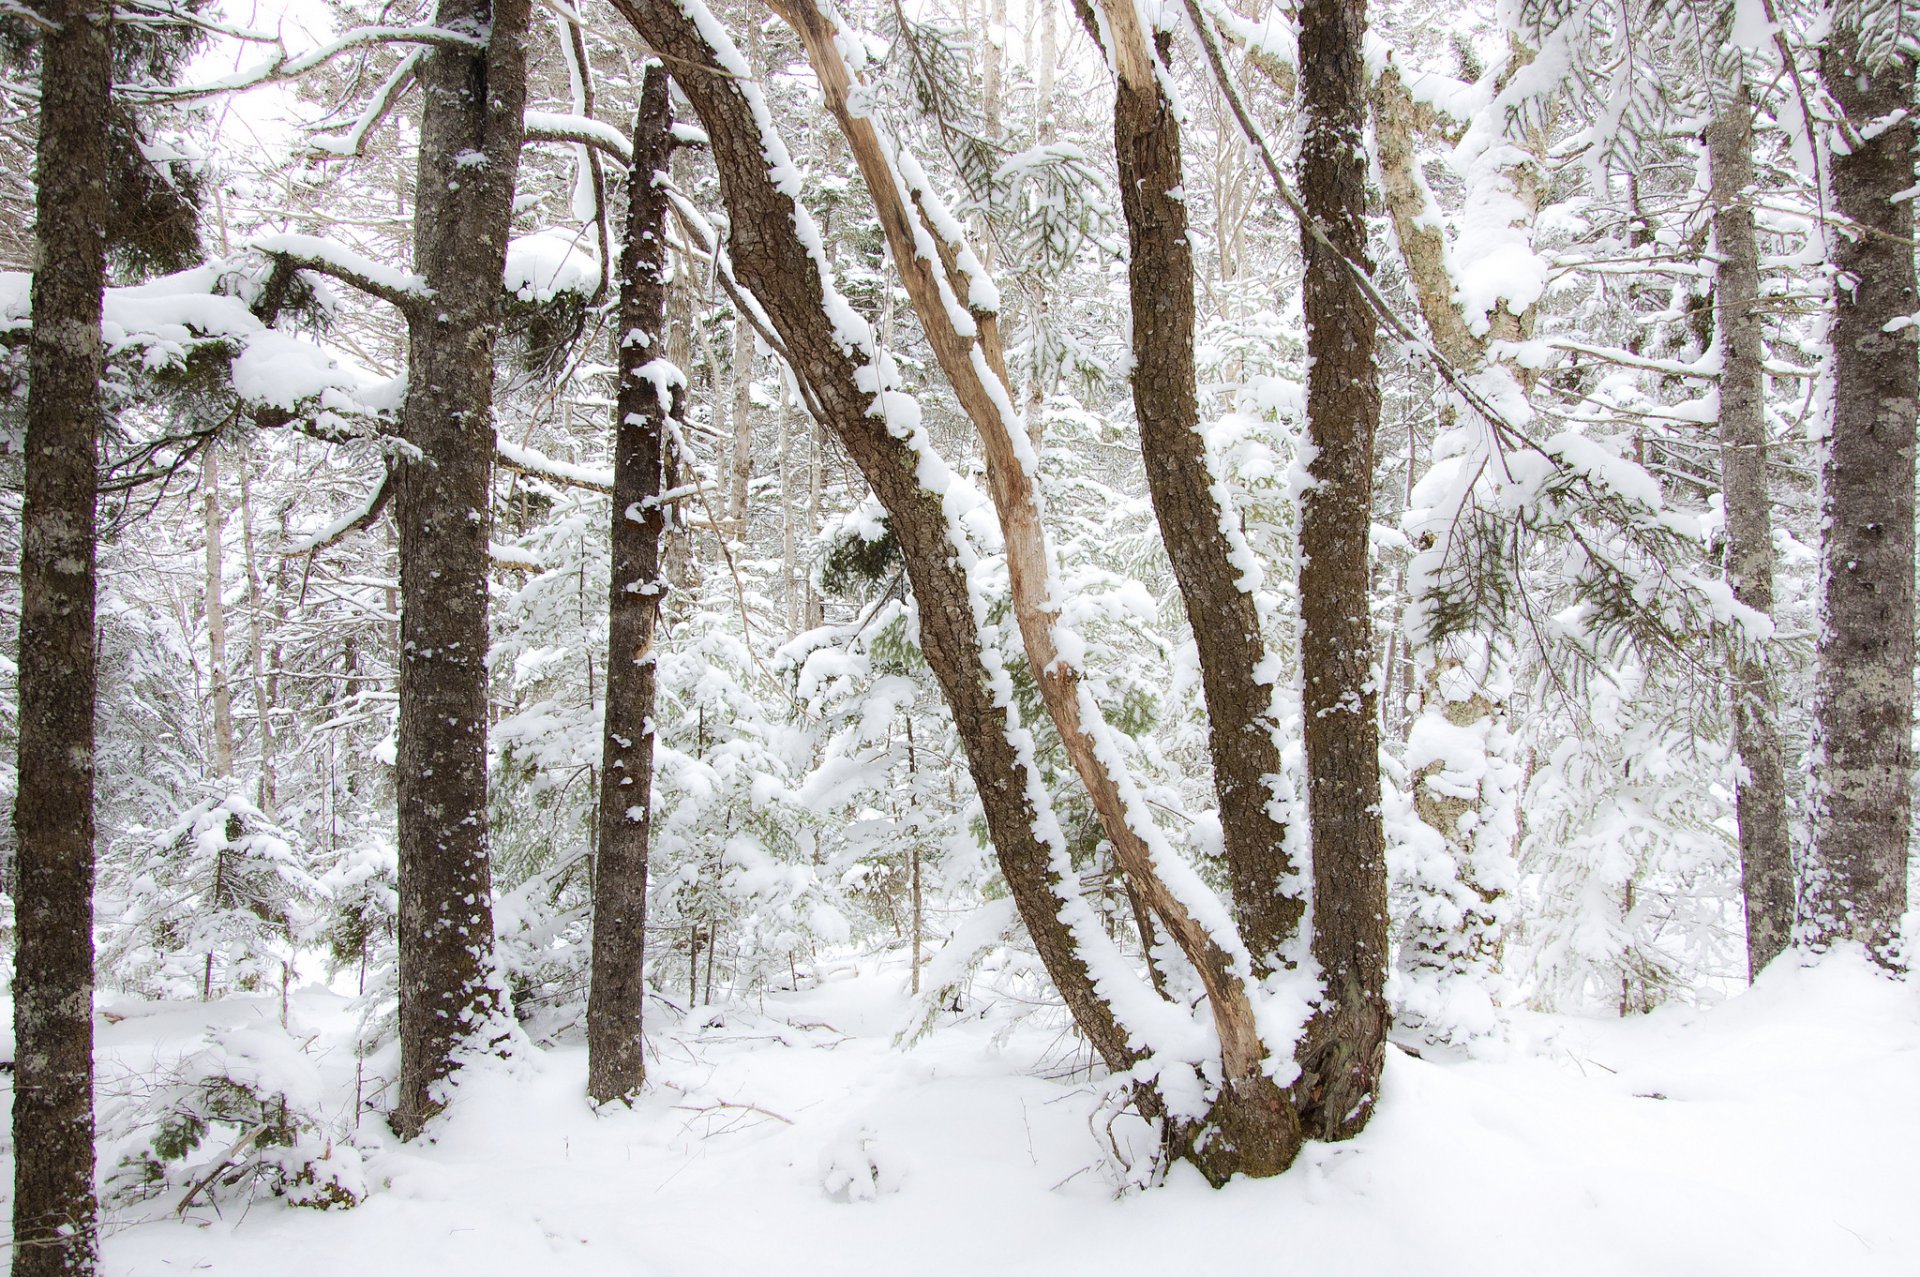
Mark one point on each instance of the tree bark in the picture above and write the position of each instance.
(616, 1066)
(54, 1212)
(771, 259)
(470, 138)
(1760, 799)
(1346, 1044)
(219, 680)
(1194, 519)
(740, 460)
(263, 680)
(1863, 698)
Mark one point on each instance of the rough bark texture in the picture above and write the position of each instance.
(470, 138)
(1760, 800)
(1226, 626)
(54, 1213)
(1863, 706)
(976, 368)
(1254, 1127)
(770, 259)
(616, 997)
(1347, 1038)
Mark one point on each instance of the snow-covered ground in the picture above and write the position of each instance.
(1776, 1133)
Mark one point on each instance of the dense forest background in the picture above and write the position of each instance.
(1618, 495)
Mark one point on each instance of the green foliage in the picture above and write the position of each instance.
(857, 560)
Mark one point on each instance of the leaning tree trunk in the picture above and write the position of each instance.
(470, 138)
(1863, 698)
(648, 391)
(773, 261)
(1346, 1045)
(1760, 799)
(54, 1213)
(1258, 1129)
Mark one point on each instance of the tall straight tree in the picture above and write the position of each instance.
(1760, 796)
(1347, 1040)
(54, 1212)
(470, 137)
(1863, 698)
(649, 389)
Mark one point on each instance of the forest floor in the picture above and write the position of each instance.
(1778, 1132)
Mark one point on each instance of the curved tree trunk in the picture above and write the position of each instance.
(616, 998)
(771, 257)
(1863, 698)
(54, 1213)
(1760, 798)
(470, 138)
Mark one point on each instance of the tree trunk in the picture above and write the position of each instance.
(1347, 1038)
(1863, 698)
(1760, 800)
(741, 458)
(774, 262)
(616, 999)
(263, 679)
(54, 1213)
(470, 138)
(1194, 522)
(219, 682)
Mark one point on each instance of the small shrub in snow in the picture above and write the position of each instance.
(240, 1116)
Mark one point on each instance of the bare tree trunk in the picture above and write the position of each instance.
(771, 260)
(219, 684)
(1193, 523)
(54, 1213)
(1346, 1045)
(470, 139)
(1863, 701)
(789, 551)
(742, 456)
(257, 639)
(1760, 799)
(616, 999)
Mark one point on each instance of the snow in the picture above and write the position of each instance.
(794, 1136)
(549, 263)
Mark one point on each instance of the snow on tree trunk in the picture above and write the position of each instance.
(775, 252)
(54, 1212)
(1259, 1125)
(1760, 798)
(1346, 1040)
(1457, 853)
(470, 139)
(648, 392)
(1863, 701)
(219, 681)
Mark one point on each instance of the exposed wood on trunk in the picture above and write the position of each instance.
(1259, 1126)
(615, 1061)
(470, 140)
(54, 1213)
(770, 258)
(1187, 503)
(1760, 800)
(1863, 700)
(975, 366)
(1347, 1037)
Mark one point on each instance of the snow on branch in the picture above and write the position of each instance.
(287, 66)
(329, 257)
(526, 460)
(548, 126)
